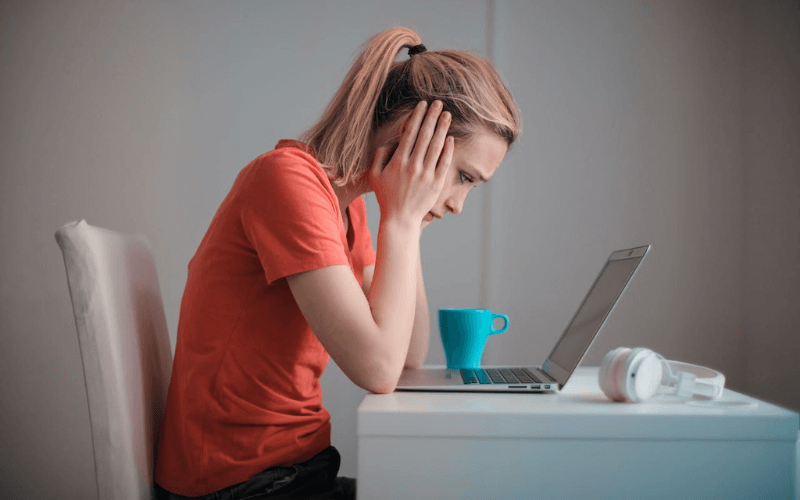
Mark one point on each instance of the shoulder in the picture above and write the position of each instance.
(287, 157)
(287, 170)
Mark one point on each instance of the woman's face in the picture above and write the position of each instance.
(475, 160)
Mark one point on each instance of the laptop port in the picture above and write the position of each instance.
(536, 387)
(516, 387)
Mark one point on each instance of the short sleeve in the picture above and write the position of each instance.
(290, 215)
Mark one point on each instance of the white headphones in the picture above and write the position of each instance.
(636, 375)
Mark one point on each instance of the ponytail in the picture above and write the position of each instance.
(340, 139)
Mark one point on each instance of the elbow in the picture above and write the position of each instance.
(379, 385)
(416, 357)
(382, 378)
(383, 389)
(414, 364)
(385, 384)
(375, 368)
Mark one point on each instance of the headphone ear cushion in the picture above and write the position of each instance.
(643, 375)
(608, 376)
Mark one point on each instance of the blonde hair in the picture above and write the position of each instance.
(377, 90)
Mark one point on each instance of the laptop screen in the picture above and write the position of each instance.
(591, 315)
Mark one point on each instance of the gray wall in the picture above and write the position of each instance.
(771, 159)
(669, 123)
(633, 130)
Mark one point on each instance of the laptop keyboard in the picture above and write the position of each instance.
(499, 376)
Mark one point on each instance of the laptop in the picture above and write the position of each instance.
(568, 352)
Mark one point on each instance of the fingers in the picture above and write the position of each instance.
(418, 162)
(420, 155)
(434, 150)
(443, 166)
(423, 134)
(408, 139)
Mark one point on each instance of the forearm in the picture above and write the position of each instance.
(393, 294)
(420, 335)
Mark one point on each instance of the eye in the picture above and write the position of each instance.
(465, 178)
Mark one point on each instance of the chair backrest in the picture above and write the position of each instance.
(125, 350)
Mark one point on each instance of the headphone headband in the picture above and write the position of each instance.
(709, 383)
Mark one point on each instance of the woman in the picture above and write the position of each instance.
(286, 274)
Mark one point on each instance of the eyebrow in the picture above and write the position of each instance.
(475, 172)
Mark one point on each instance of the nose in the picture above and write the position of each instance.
(455, 203)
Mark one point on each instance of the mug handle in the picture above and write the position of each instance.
(505, 325)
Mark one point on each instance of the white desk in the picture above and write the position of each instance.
(574, 445)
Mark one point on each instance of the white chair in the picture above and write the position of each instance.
(124, 344)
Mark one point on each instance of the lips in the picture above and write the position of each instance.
(430, 216)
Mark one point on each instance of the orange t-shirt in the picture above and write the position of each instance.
(245, 394)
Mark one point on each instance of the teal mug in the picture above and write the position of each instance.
(464, 333)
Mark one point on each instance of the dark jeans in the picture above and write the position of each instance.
(314, 479)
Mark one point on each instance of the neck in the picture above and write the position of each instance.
(349, 192)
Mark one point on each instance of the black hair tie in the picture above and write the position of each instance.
(416, 49)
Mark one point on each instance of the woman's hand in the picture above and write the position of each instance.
(409, 185)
